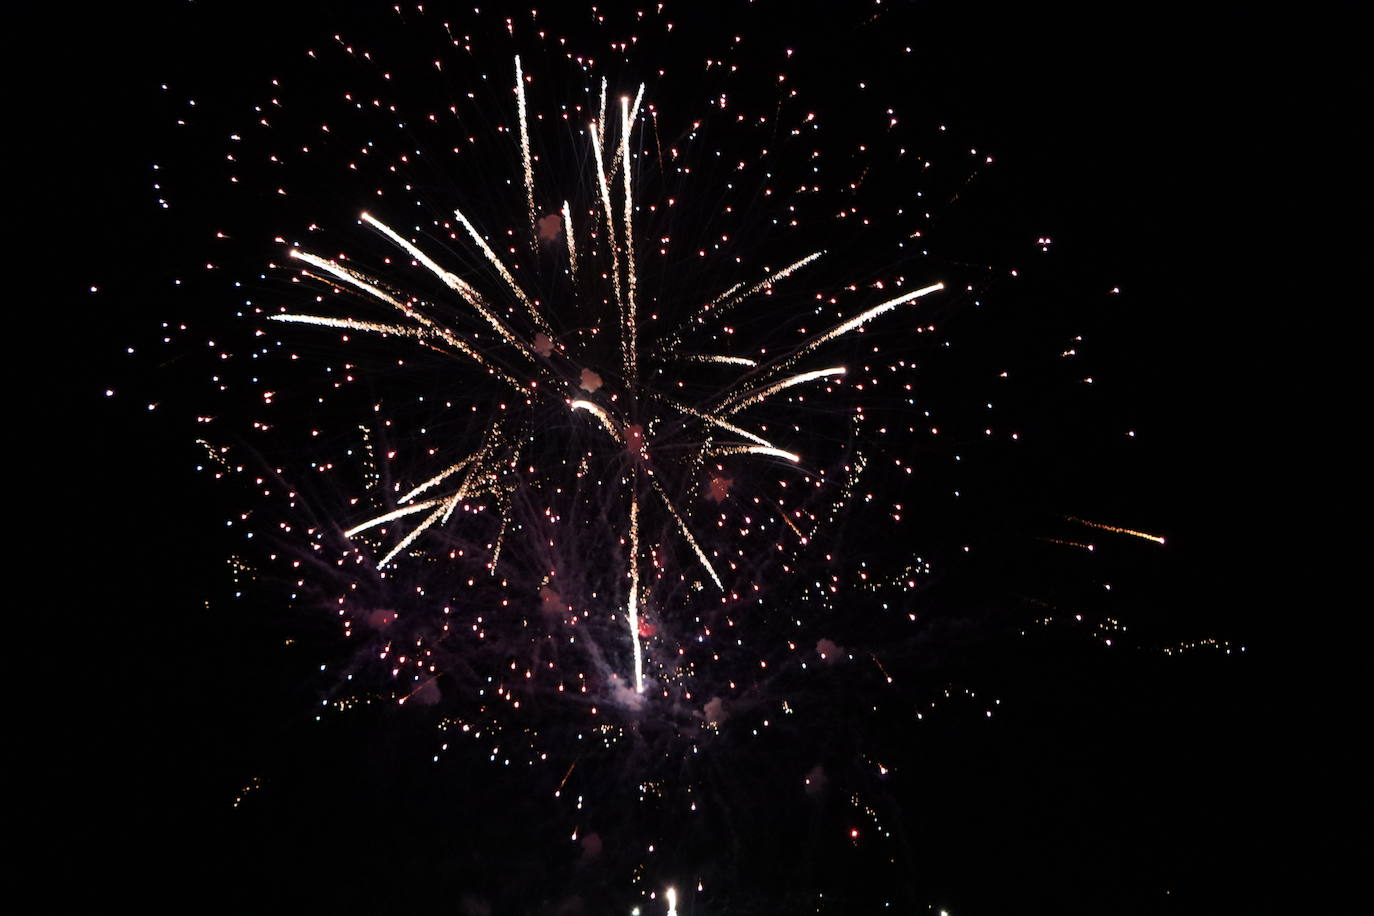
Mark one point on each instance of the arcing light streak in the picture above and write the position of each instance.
(454, 282)
(393, 514)
(437, 478)
(764, 283)
(687, 534)
(1113, 528)
(858, 321)
(496, 262)
(755, 450)
(572, 244)
(730, 360)
(599, 128)
(525, 151)
(738, 402)
(435, 516)
(610, 235)
(599, 412)
(726, 300)
(348, 324)
(363, 283)
(715, 420)
(631, 322)
(632, 613)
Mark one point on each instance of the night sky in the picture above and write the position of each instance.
(1194, 161)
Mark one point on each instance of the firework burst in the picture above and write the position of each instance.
(595, 428)
(600, 443)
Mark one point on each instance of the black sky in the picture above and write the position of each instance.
(1193, 157)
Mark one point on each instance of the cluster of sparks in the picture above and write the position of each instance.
(534, 366)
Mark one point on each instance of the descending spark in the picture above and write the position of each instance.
(496, 262)
(631, 322)
(755, 450)
(445, 505)
(362, 282)
(359, 281)
(348, 324)
(525, 148)
(441, 512)
(454, 282)
(394, 514)
(795, 530)
(724, 303)
(436, 479)
(858, 321)
(572, 244)
(625, 136)
(503, 513)
(738, 402)
(715, 420)
(632, 614)
(599, 412)
(1065, 543)
(729, 299)
(880, 667)
(610, 233)
(599, 129)
(729, 360)
(1113, 528)
(564, 781)
(687, 534)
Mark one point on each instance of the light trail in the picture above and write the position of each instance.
(1143, 535)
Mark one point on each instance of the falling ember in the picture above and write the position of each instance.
(572, 243)
(632, 612)
(525, 142)
(1116, 530)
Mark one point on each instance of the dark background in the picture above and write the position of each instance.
(1198, 158)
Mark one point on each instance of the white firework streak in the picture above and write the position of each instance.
(625, 135)
(687, 534)
(715, 420)
(597, 411)
(729, 360)
(348, 324)
(445, 504)
(727, 300)
(722, 303)
(631, 322)
(856, 322)
(738, 402)
(394, 514)
(755, 450)
(632, 614)
(525, 152)
(599, 129)
(610, 233)
(453, 281)
(435, 516)
(572, 244)
(364, 283)
(436, 479)
(496, 262)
